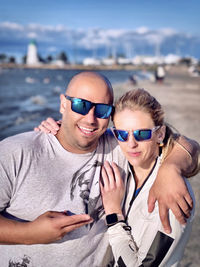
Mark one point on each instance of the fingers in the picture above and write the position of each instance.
(43, 128)
(185, 209)
(109, 174)
(59, 122)
(164, 217)
(178, 213)
(53, 124)
(151, 201)
(75, 226)
(48, 126)
(117, 174)
(189, 201)
(75, 221)
(105, 181)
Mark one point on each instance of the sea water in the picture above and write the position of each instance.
(28, 96)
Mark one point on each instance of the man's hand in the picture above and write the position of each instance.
(47, 228)
(48, 126)
(170, 190)
(52, 226)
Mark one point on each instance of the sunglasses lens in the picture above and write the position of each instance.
(122, 136)
(81, 106)
(103, 111)
(141, 135)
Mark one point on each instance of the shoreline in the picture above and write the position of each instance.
(76, 67)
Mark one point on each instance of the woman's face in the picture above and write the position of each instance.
(138, 153)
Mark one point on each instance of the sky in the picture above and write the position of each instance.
(181, 15)
(57, 24)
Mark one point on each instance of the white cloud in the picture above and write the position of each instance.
(11, 26)
(167, 31)
(142, 30)
(32, 35)
(55, 38)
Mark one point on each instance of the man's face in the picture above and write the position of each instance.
(80, 133)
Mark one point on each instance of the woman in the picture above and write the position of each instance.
(137, 238)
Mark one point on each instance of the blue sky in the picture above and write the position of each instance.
(181, 15)
(128, 26)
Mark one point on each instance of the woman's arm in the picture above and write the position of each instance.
(146, 243)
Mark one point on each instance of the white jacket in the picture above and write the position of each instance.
(146, 244)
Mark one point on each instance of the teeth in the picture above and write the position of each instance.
(86, 129)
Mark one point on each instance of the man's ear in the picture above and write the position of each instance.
(63, 103)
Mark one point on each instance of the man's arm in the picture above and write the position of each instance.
(192, 148)
(47, 228)
(169, 189)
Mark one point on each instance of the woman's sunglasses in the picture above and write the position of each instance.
(139, 135)
(82, 106)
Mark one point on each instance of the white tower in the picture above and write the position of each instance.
(32, 57)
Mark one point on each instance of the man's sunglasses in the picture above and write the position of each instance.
(82, 106)
(139, 135)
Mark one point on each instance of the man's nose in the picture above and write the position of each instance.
(90, 116)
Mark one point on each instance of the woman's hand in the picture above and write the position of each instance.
(49, 126)
(112, 188)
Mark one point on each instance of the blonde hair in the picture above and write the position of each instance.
(140, 99)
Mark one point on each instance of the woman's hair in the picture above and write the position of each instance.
(140, 99)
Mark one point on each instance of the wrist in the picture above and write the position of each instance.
(113, 218)
(168, 165)
(111, 210)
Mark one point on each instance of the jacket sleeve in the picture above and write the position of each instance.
(155, 247)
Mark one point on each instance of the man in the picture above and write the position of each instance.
(42, 176)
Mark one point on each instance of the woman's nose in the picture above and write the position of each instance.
(131, 140)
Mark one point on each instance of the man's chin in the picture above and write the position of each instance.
(89, 146)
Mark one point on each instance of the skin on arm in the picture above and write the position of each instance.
(47, 228)
(169, 189)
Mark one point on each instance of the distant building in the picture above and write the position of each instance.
(32, 55)
(90, 61)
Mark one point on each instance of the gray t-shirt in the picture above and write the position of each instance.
(36, 175)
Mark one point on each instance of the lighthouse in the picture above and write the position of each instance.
(32, 56)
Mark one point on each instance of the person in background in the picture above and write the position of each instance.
(137, 237)
(160, 74)
(46, 179)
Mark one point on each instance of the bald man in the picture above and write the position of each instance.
(51, 209)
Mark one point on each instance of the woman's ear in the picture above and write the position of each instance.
(161, 134)
(63, 103)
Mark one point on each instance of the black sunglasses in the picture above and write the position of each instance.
(139, 135)
(82, 106)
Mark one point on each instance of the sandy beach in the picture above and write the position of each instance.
(180, 97)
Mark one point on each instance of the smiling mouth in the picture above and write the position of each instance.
(87, 131)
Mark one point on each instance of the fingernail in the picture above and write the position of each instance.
(167, 231)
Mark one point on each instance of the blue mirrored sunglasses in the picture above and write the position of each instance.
(139, 135)
(82, 106)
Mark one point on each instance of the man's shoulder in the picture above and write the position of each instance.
(25, 140)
